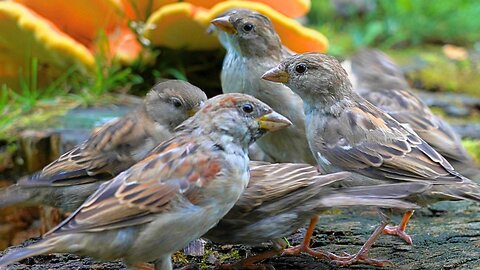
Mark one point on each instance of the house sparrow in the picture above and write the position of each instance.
(174, 195)
(253, 47)
(68, 181)
(379, 80)
(347, 133)
(281, 198)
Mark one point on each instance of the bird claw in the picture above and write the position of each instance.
(399, 232)
(293, 250)
(320, 254)
(345, 260)
(360, 258)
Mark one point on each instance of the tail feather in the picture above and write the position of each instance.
(389, 191)
(346, 201)
(385, 196)
(23, 253)
(13, 195)
(468, 169)
(460, 192)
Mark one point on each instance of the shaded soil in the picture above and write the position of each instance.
(446, 236)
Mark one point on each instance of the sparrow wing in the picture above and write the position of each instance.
(106, 153)
(407, 108)
(170, 177)
(271, 184)
(374, 144)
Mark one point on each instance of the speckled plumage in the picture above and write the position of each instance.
(248, 56)
(282, 197)
(174, 195)
(117, 145)
(380, 81)
(349, 133)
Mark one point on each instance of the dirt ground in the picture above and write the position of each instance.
(446, 236)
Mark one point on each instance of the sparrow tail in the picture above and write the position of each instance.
(26, 252)
(13, 195)
(463, 192)
(385, 196)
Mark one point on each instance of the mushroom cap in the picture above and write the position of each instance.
(180, 26)
(24, 33)
(139, 9)
(183, 25)
(82, 20)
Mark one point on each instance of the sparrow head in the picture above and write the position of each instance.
(235, 117)
(247, 33)
(311, 76)
(172, 102)
(375, 70)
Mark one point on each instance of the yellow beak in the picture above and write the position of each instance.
(192, 112)
(276, 75)
(224, 24)
(273, 121)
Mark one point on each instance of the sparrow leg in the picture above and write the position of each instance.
(306, 240)
(305, 246)
(400, 229)
(362, 255)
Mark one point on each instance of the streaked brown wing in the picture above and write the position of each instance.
(406, 108)
(270, 183)
(102, 156)
(376, 145)
(156, 184)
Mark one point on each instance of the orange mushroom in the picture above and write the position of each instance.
(179, 26)
(82, 20)
(183, 25)
(141, 9)
(27, 34)
(61, 34)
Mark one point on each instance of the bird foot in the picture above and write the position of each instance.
(359, 258)
(320, 254)
(398, 231)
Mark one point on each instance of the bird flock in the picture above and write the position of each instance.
(177, 168)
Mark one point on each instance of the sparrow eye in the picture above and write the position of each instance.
(247, 27)
(176, 102)
(248, 108)
(300, 68)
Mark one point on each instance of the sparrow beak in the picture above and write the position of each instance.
(273, 121)
(192, 112)
(276, 75)
(223, 23)
(195, 109)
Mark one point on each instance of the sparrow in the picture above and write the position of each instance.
(348, 133)
(377, 78)
(253, 47)
(282, 197)
(68, 181)
(171, 197)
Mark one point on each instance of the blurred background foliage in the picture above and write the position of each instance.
(396, 24)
